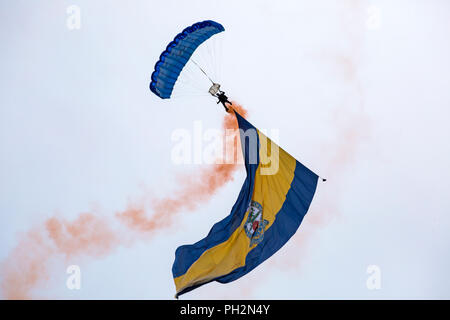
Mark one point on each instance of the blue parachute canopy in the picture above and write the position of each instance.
(178, 53)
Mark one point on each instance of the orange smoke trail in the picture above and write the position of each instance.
(23, 269)
(87, 235)
(27, 267)
(195, 190)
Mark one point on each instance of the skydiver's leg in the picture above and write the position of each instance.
(226, 108)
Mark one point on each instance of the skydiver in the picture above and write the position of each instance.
(223, 99)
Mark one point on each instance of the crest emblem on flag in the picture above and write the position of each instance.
(255, 225)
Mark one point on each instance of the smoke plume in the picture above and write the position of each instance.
(28, 266)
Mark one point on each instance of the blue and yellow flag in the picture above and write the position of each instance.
(274, 199)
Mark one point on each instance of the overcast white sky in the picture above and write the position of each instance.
(359, 91)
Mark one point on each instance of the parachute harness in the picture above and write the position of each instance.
(214, 90)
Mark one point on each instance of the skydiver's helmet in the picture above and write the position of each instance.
(215, 88)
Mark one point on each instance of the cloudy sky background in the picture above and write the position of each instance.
(361, 99)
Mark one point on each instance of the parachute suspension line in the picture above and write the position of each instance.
(202, 70)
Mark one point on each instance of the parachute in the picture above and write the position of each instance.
(178, 53)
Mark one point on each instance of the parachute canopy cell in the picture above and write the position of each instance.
(178, 53)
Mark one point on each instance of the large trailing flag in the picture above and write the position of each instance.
(274, 199)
